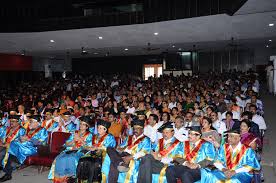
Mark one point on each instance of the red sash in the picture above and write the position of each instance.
(49, 125)
(231, 164)
(137, 141)
(164, 152)
(9, 136)
(78, 143)
(30, 135)
(94, 143)
(191, 154)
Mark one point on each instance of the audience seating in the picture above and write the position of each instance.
(55, 141)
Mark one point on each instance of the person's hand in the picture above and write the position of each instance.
(92, 148)
(77, 137)
(127, 159)
(229, 173)
(24, 138)
(192, 165)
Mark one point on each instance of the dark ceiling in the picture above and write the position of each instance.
(38, 15)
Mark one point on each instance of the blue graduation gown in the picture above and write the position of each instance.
(177, 151)
(143, 146)
(24, 149)
(247, 160)
(65, 165)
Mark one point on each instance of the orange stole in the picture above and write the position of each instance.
(30, 135)
(77, 143)
(94, 143)
(137, 141)
(191, 154)
(164, 152)
(10, 137)
(231, 164)
(47, 126)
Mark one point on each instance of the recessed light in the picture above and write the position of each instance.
(96, 53)
(270, 40)
(100, 37)
(173, 46)
(126, 49)
(179, 49)
(270, 25)
(267, 46)
(156, 33)
(52, 41)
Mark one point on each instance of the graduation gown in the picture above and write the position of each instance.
(104, 142)
(49, 125)
(66, 163)
(244, 158)
(172, 150)
(7, 137)
(24, 149)
(137, 148)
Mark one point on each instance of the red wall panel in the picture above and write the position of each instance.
(10, 62)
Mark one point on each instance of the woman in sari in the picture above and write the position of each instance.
(97, 156)
(65, 165)
(248, 138)
(209, 133)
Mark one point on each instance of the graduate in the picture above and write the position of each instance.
(88, 163)
(126, 158)
(49, 123)
(65, 165)
(198, 154)
(234, 162)
(153, 166)
(25, 146)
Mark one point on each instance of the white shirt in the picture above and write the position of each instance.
(130, 110)
(220, 166)
(220, 126)
(172, 105)
(260, 121)
(152, 133)
(167, 160)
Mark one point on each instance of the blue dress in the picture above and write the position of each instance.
(244, 158)
(142, 146)
(66, 163)
(22, 150)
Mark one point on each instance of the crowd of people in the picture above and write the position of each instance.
(200, 128)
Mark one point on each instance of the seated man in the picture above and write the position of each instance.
(162, 155)
(25, 146)
(233, 163)
(127, 156)
(9, 134)
(198, 154)
(49, 123)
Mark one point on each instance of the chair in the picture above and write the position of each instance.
(55, 141)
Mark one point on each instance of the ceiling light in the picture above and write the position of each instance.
(267, 46)
(126, 49)
(270, 25)
(173, 46)
(52, 41)
(179, 49)
(270, 40)
(96, 53)
(83, 51)
(100, 37)
(156, 33)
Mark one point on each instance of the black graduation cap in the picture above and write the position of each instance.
(196, 129)
(67, 113)
(36, 117)
(49, 111)
(165, 126)
(233, 131)
(138, 123)
(106, 124)
(17, 117)
(86, 119)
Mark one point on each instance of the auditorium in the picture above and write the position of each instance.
(137, 91)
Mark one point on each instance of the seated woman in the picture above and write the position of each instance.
(209, 133)
(88, 164)
(248, 138)
(65, 165)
